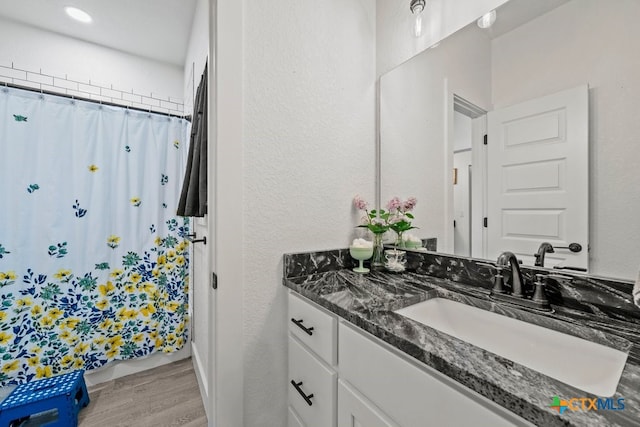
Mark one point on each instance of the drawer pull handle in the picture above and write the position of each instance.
(304, 396)
(299, 324)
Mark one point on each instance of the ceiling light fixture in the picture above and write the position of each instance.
(78, 14)
(416, 7)
(487, 19)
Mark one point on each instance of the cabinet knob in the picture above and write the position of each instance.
(307, 398)
(299, 324)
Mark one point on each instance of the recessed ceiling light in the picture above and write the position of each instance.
(78, 14)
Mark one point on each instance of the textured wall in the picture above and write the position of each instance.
(599, 41)
(309, 147)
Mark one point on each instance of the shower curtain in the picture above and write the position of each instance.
(93, 260)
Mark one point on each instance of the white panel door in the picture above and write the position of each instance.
(538, 178)
(201, 326)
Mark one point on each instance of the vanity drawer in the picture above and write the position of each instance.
(312, 387)
(314, 327)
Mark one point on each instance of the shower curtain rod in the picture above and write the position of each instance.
(79, 98)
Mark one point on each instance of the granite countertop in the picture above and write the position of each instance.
(368, 301)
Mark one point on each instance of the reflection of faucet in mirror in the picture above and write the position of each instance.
(548, 248)
(545, 248)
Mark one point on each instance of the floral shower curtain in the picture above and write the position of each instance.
(93, 260)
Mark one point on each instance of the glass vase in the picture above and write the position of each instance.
(399, 242)
(377, 260)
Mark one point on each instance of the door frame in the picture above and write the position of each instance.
(453, 103)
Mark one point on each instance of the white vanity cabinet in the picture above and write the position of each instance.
(357, 380)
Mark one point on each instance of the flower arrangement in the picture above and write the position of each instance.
(397, 217)
(375, 223)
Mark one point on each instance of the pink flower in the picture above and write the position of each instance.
(396, 219)
(394, 204)
(410, 203)
(359, 203)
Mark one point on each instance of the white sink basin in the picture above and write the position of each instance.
(591, 367)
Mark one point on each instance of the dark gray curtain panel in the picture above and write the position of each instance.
(193, 198)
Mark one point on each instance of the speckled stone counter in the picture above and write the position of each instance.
(598, 310)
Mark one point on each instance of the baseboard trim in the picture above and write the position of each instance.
(121, 368)
(199, 369)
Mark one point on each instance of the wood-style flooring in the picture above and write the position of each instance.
(164, 396)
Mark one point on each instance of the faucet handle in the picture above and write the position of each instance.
(539, 295)
(498, 279)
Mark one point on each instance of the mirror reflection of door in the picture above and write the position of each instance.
(537, 178)
(469, 183)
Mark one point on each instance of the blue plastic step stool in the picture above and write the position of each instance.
(67, 393)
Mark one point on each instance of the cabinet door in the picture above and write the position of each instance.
(354, 410)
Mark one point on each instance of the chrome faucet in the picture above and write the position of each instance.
(545, 248)
(508, 259)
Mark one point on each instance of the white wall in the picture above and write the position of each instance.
(308, 147)
(414, 158)
(49, 54)
(226, 140)
(599, 47)
(197, 53)
(394, 42)
(28, 48)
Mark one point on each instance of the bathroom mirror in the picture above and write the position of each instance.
(433, 111)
